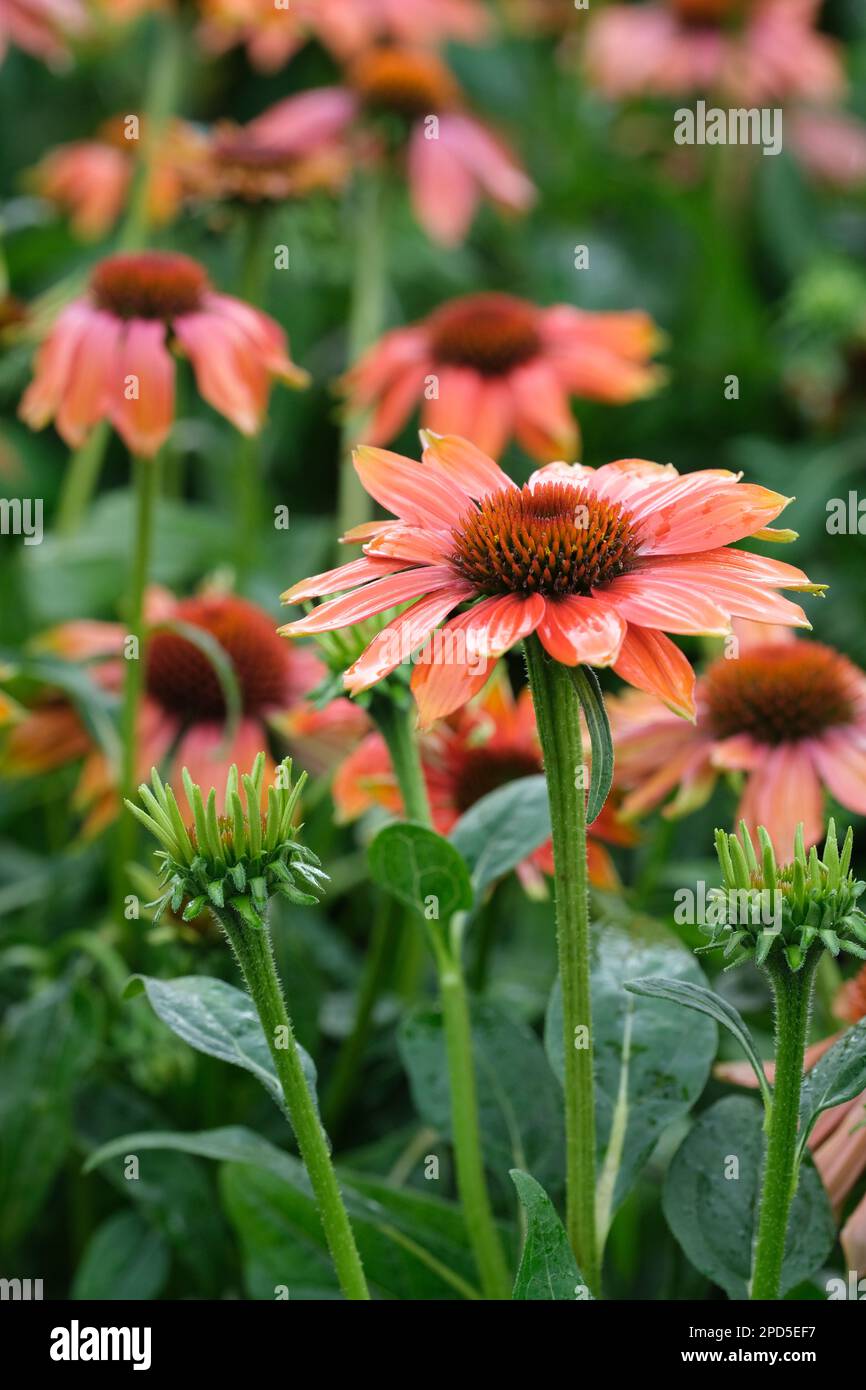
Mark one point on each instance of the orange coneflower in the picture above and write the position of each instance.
(107, 358)
(838, 1141)
(91, 179)
(452, 159)
(599, 563)
(485, 745)
(183, 715)
(504, 366)
(233, 162)
(273, 33)
(40, 27)
(789, 715)
(746, 50)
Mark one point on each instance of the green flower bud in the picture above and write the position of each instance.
(235, 860)
(769, 913)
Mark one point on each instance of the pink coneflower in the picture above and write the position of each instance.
(40, 27)
(107, 356)
(483, 746)
(789, 715)
(749, 51)
(91, 179)
(234, 163)
(183, 715)
(452, 159)
(274, 33)
(830, 145)
(599, 563)
(838, 1141)
(503, 366)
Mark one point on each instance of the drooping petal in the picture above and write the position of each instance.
(143, 410)
(396, 642)
(781, 794)
(229, 374)
(42, 398)
(543, 421)
(840, 757)
(650, 661)
(579, 630)
(668, 602)
(444, 192)
(465, 651)
(91, 378)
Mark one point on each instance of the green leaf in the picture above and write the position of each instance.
(413, 1246)
(837, 1077)
(221, 1021)
(706, 1001)
(547, 1266)
(650, 1066)
(45, 1046)
(416, 865)
(711, 1196)
(125, 1258)
(519, 1101)
(502, 829)
(592, 702)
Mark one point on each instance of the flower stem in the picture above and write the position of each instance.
(248, 462)
(145, 487)
(557, 713)
(377, 961)
(468, 1155)
(792, 995)
(163, 86)
(396, 727)
(80, 479)
(366, 317)
(256, 959)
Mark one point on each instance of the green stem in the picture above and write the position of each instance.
(80, 479)
(248, 481)
(145, 487)
(375, 973)
(366, 318)
(256, 959)
(160, 102)
(557, 713)
(792, 995)
(396, 727)
(468, 1155)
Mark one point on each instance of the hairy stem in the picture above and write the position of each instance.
(792, 996)
(557, 713)
(256, 959)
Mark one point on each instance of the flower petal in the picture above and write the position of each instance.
(578, 630)
(396, 642)
(652, 662)
(144, 421)
(420, 495)
(377, 597)
(464, 650)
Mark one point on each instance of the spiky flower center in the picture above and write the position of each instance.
(707, 14)
(554, 539)
(184, 680)
(149, 285)
(780, 693)
(491, 332)
(404, 82)
(480, 770)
